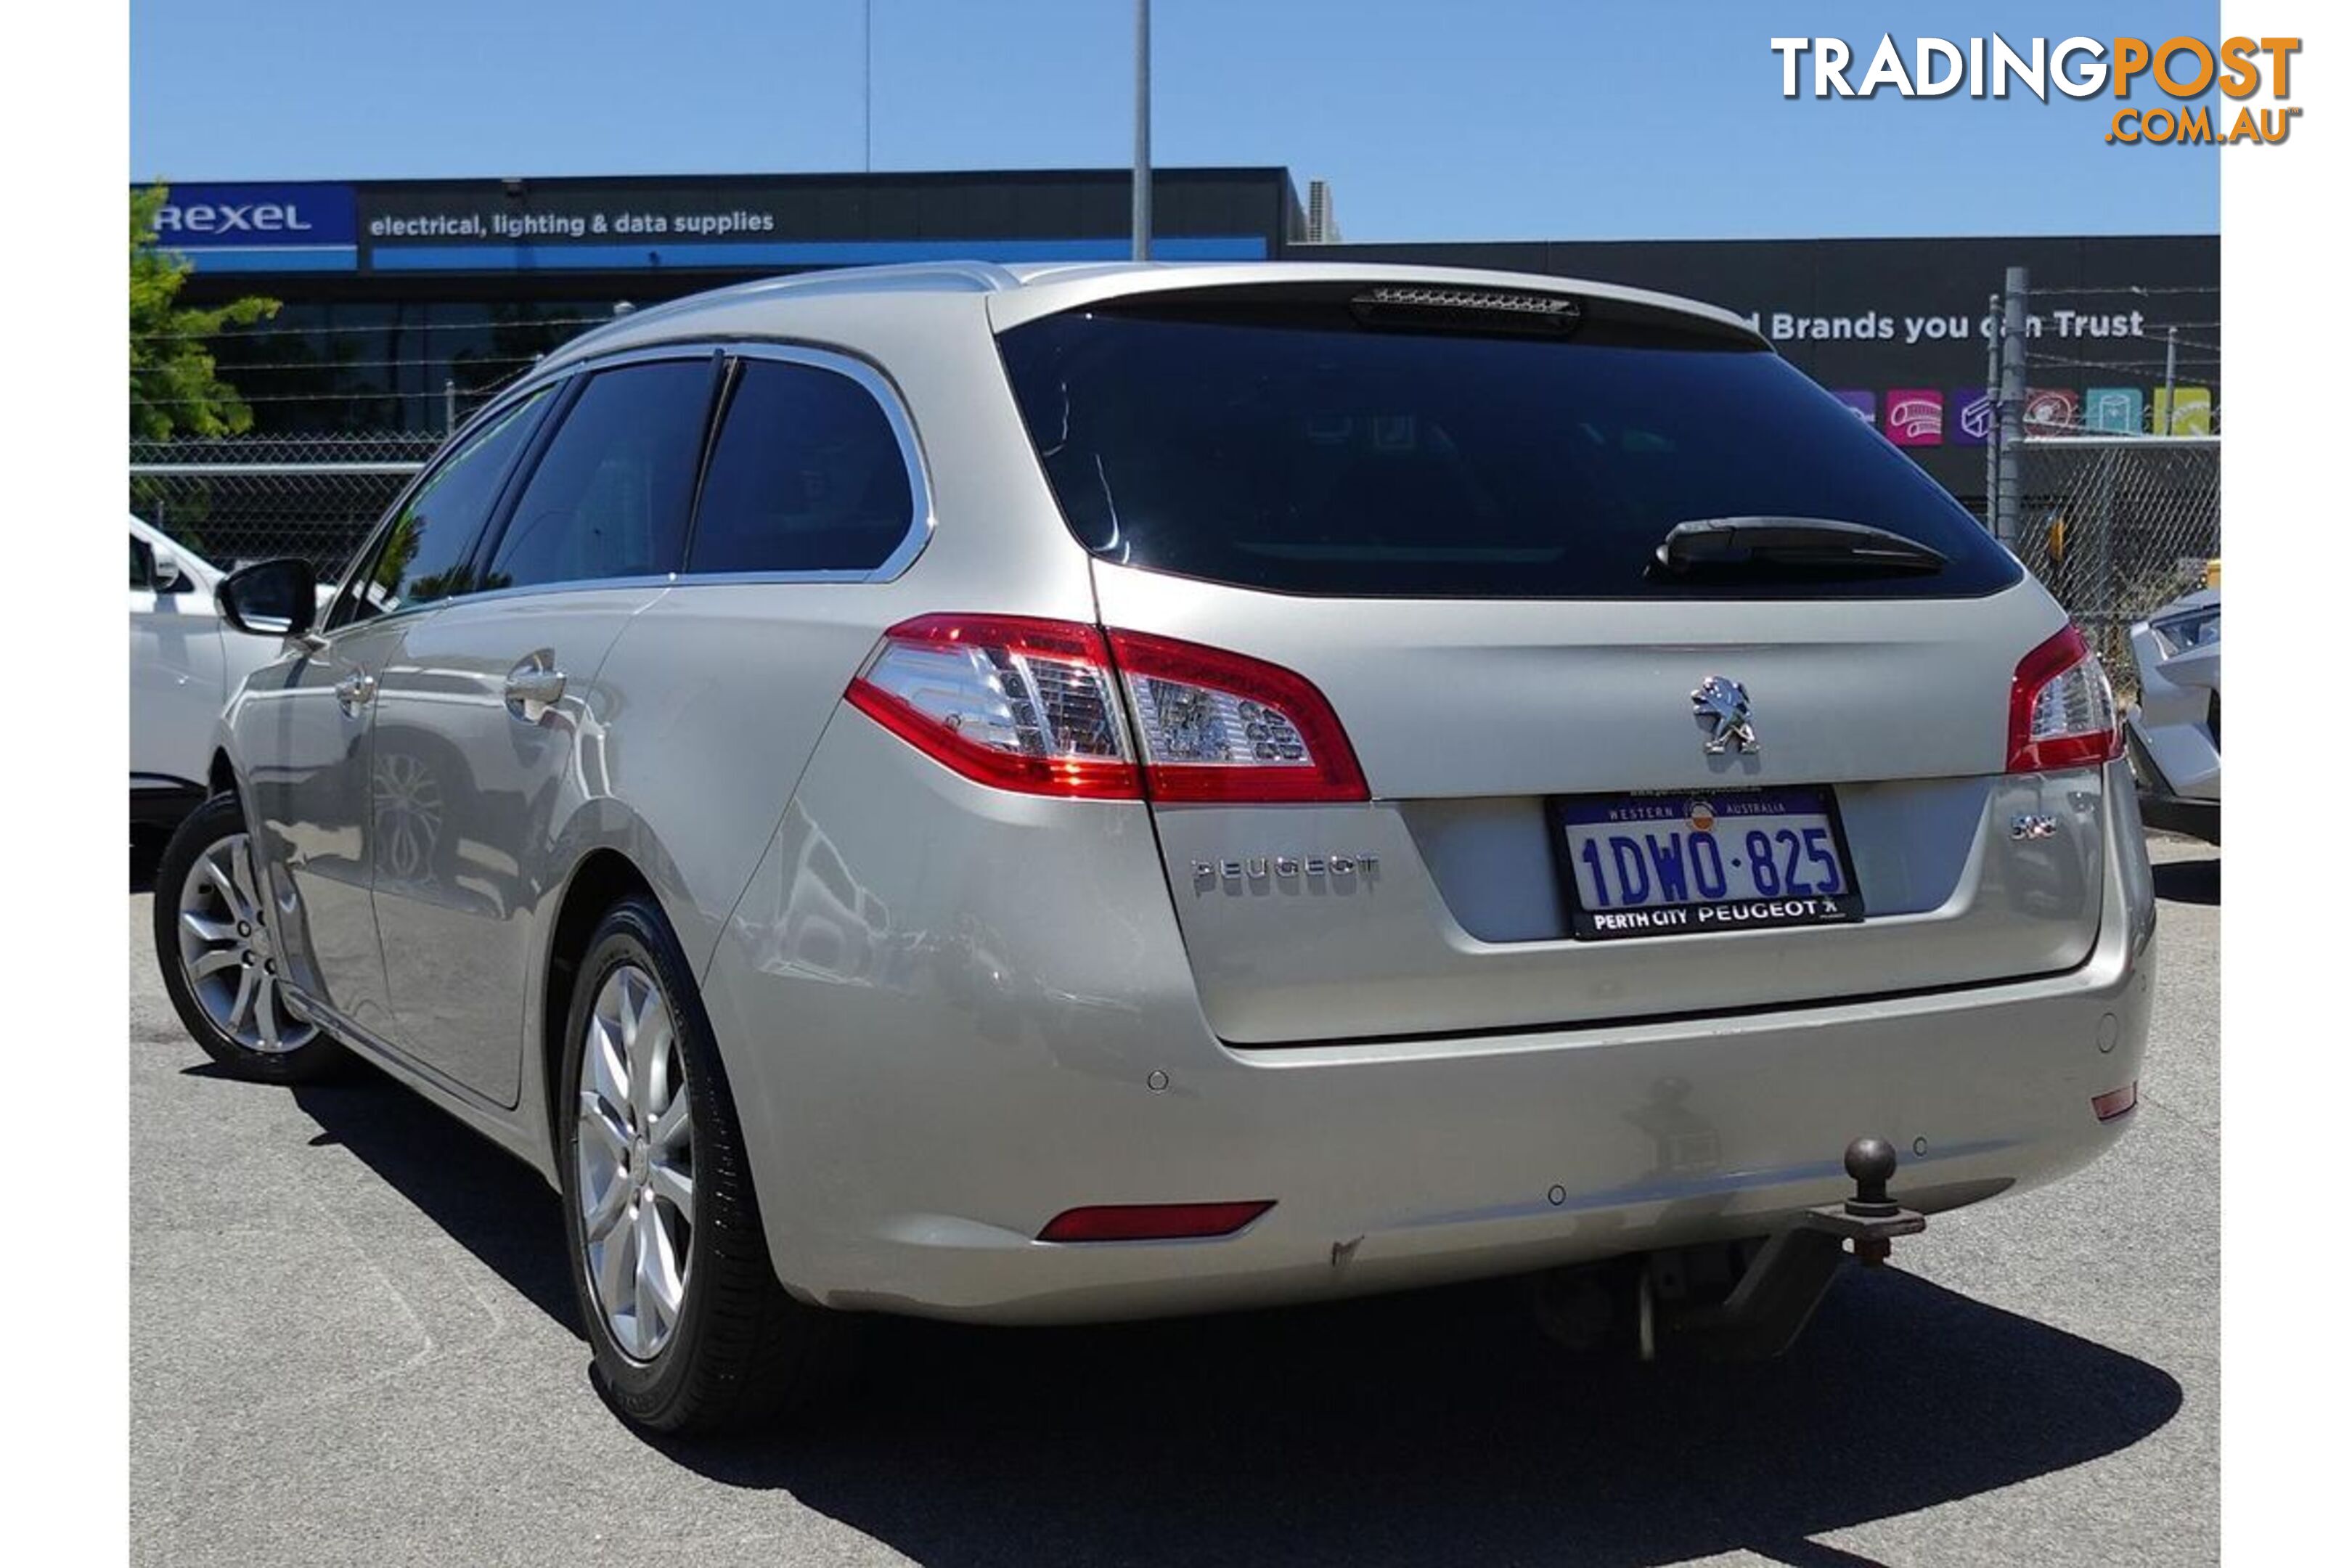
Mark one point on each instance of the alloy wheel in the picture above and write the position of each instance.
(230, 956)
(636, 1161)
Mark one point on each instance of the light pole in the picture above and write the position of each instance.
(1142, 214)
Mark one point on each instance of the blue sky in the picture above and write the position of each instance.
(1481, 119)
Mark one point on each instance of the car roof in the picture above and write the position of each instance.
(1005, 295)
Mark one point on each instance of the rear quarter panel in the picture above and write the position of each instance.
(722, 689)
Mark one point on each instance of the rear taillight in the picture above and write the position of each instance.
(1021, 704)
(1032, 705)
(2062, 712)
(1217, 726)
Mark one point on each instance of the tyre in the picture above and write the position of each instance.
(216, 942)
(691, 1332)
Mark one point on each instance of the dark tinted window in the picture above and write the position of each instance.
(807, 477)
(610, 497)
(1291, 448)
(426, 553)
(142, 564)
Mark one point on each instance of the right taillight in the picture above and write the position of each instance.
(2062, 711)
(1033, 705)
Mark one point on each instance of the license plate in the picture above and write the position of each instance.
(1683, 865)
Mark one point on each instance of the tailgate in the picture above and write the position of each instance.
(1469, 718)
(1510, 531)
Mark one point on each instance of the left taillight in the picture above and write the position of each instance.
(2062, 711)
(1019, 703)
(1218, 726)
(1035, 706)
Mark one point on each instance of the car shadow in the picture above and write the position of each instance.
(1437, 1426)
(487, 1201)
(146, 852)
(2190, 881)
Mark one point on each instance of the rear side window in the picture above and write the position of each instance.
(1287, 446)
(807, 475)
(610, 497)
(425, 554)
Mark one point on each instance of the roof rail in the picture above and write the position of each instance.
(954, 276)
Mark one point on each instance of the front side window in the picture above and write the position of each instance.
(426, 553)
(807, 475)
(611, 496)
(142, 564)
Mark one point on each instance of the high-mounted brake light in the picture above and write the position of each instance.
(1151, 1222)
(2062, 711)
(1033, 705)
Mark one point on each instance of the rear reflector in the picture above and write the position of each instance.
(2115, 1101)
(1151, 1222)
(2062, 711)
(1034, 706)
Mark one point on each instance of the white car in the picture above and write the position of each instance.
(184, 661)
(2174, 735)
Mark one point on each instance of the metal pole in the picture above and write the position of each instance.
(448, 406)
(2095, 601)
(2007, 487)
(2171, 350)
(869, 85)
(1993, 390)
(1143, 215)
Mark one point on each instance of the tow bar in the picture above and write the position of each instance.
(1776, 1296)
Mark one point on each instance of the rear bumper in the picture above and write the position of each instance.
(2160, 805)
(1393, 1169)
(922, 1095)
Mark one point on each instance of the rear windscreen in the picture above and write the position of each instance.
(1290, 447)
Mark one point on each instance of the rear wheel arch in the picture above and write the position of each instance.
(601, 879)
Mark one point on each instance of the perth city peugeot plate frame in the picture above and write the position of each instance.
(1704, 916)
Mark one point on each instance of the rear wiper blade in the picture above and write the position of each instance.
(1805, 542)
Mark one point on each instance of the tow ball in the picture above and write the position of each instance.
(1672, 1310)
(1775, 1297)
(1870, 1219)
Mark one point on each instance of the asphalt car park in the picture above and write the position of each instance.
(352, 1339)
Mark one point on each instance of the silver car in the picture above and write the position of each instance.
(1057, 794)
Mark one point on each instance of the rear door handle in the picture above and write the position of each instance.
(354, 691)
(533, 687)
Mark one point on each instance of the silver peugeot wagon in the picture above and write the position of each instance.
(1069, 793)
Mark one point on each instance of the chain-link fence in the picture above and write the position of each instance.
(2117, 525)
(250, 498)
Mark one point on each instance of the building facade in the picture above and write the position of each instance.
(407, 302)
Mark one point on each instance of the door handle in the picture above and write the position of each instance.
(533, 687)
(354, 691)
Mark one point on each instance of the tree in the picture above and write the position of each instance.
(175, 385)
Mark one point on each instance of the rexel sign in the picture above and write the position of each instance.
(262, 227)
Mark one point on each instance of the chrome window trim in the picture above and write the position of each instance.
(876, 384)
(921, 518)
(497, 408)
